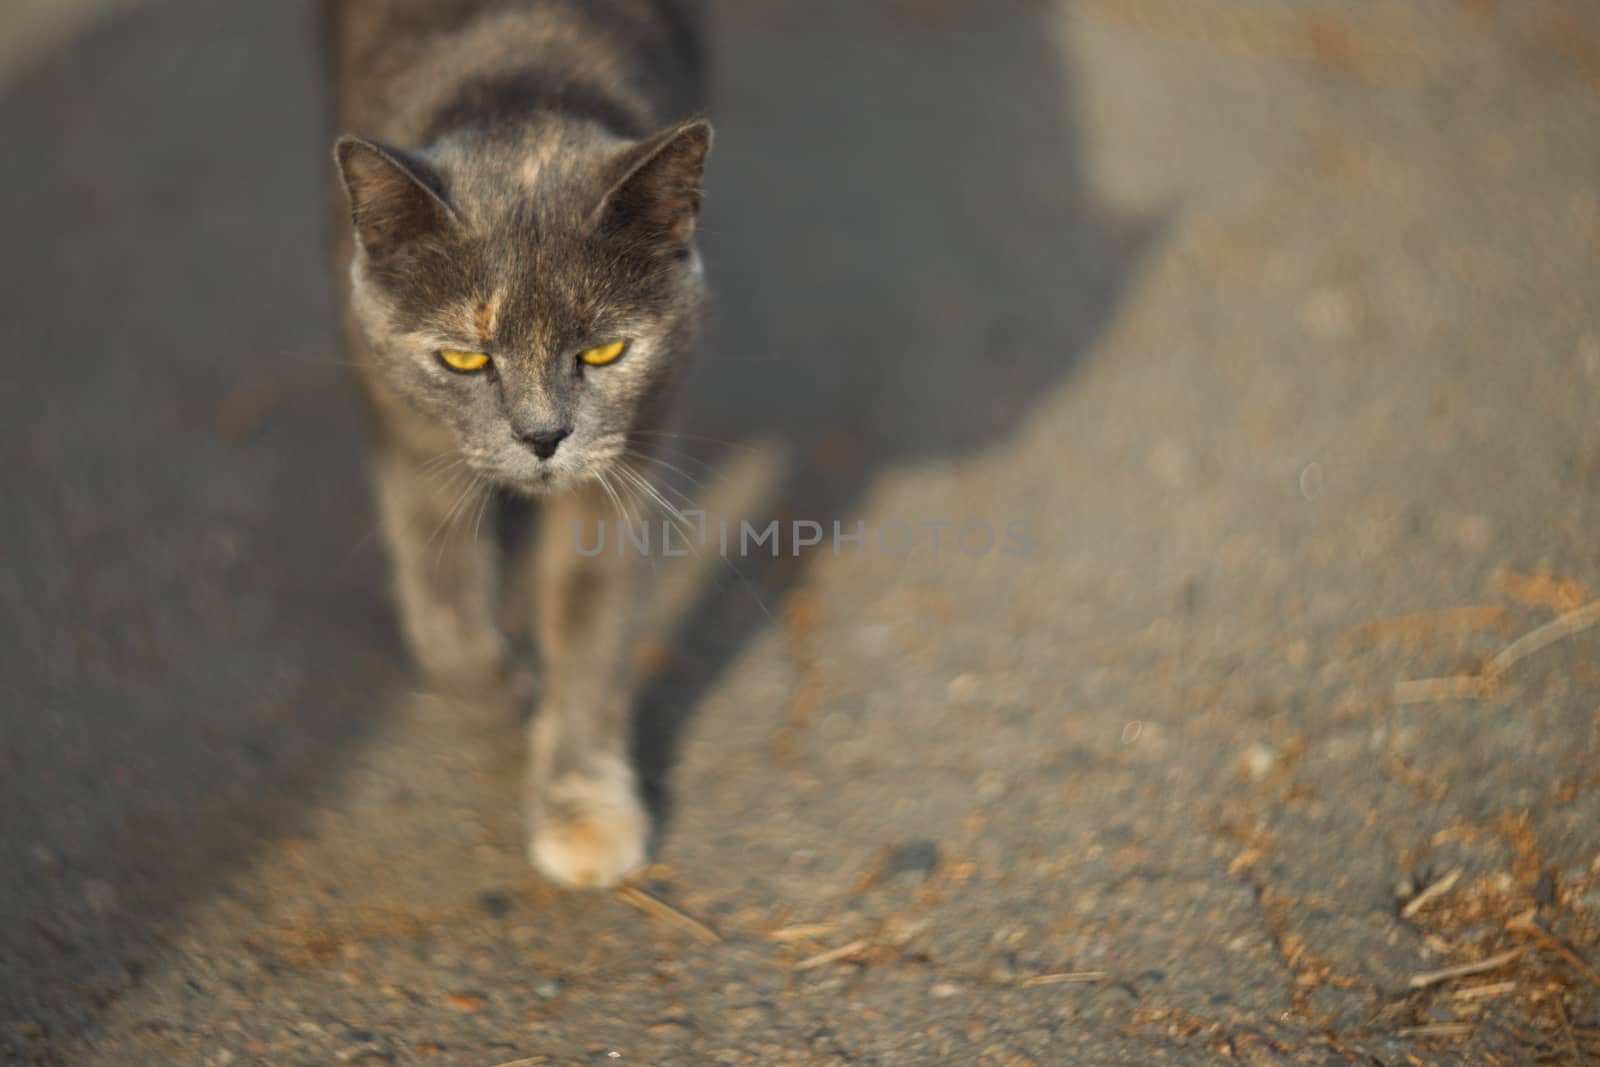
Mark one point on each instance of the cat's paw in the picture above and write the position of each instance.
(590, 829)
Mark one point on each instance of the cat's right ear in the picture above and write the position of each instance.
(394, 196)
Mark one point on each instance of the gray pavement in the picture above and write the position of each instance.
(1275, 326)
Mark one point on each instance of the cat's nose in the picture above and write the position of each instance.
(544, 439)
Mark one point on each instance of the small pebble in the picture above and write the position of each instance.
(494, 903)
(919, 855)
(1311, 481)
(465, 1001)
(1258, 761)
(1113, 996)
(962, 688)
(1544, 890)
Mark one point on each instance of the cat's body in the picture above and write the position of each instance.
(521, 295)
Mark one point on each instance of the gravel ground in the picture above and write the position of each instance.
(1273, 326)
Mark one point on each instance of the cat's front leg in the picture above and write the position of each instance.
(434, 515)
(587, 825)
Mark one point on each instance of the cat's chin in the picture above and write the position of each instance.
(541, 483)
(547, 482)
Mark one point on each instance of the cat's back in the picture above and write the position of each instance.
(407, 71)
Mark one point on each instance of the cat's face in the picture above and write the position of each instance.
(537, 298)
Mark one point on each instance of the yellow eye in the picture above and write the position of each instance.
(600, 355)
(463, 362)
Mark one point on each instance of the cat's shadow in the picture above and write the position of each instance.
(191, 587)
(905, 259)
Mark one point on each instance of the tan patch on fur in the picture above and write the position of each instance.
(486, 317)
(588, 838)
(594, 834)
(530, 172)
(597, 851)
(544, 152)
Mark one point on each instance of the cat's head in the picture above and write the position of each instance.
(534, 293)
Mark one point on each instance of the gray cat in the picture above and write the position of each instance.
(522, 293)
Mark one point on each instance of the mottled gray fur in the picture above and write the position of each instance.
(522, 179)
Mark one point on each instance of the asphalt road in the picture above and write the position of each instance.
(1275, 327)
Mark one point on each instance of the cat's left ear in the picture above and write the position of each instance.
(394, 196)
(653, 187)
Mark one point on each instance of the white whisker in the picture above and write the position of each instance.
(650, 458)
(682, 524)
(473, 483)
(694, 437)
